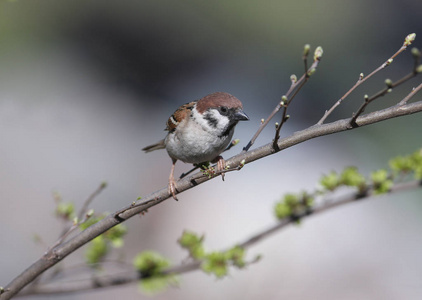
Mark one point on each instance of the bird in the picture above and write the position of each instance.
(199, 131)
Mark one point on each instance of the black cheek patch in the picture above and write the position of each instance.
(211, 120)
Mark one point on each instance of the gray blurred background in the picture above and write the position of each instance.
(84, 85)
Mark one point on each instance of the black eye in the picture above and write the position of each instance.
(224, 110)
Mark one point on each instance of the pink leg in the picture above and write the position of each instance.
(172, 183)
(221, 166)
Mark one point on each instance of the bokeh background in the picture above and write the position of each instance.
(84, 85)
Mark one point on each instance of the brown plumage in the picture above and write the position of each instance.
(180, 114)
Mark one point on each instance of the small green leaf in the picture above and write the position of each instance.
(154, 285)
(401, 164)
(150, 263)
(97, 249)
(193, 243)
(282, 210)
(237, 256)
(215, 263)
(90, 221)
(351, 177)
(117, 243)
(381, 181)
(379, 176)
(416, 159)
(330, 181)
(115, 234)
(65, 210)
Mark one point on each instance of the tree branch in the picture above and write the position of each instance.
(133, 276)
(58, 253)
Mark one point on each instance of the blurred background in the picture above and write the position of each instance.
(84, 85)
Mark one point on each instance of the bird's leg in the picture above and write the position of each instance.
(221, 165)
(172, 183)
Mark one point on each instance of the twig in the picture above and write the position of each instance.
(88, 201)
(295, 85)
(408, 41)
(381, 93)
(411, 94)
(82, 215)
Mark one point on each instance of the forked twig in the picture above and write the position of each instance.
(295, 86)
(407, 42)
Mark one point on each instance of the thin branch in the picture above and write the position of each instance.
(390, 86)
(82, 216)
(411, 94)
(408, 40)
(88, 201)
(295, 85)
(130, 277)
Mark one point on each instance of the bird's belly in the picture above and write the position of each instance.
(196, 148)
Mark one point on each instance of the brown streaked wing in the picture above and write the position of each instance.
(179, 115)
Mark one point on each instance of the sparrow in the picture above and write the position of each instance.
(199, 131)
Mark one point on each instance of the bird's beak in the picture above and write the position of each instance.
(241, 116)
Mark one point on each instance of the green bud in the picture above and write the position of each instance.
(409, 39)
(419, 69)
(389, 83)
(242, 163)
(318, 53)
(415, 52)
(89, 213)
(293, 78)
(361, 76)
(389, 62)
(306, 49)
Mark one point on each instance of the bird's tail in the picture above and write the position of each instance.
(156, 146)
